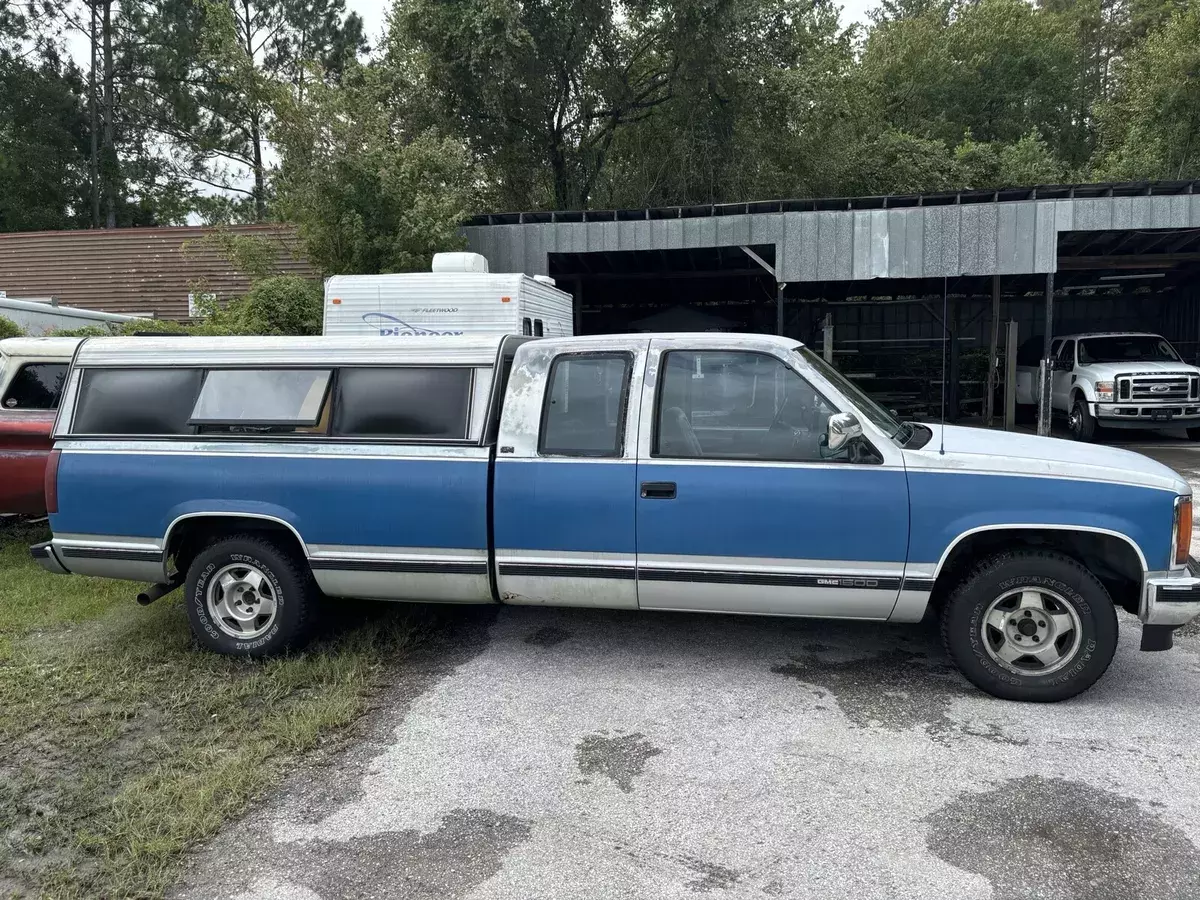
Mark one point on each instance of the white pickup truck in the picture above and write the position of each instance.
(1114, 380)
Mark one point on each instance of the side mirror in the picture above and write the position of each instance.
(841, 430)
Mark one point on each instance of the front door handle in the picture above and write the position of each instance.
(658, 490)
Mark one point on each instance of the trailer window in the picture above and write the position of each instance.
(537, 327)
(430, 403)
(584, 410)
(527, 327)
(261, 401)
(36, 386)
(136, 401)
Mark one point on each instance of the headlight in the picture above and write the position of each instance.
(1183, 530)
(1104, 391)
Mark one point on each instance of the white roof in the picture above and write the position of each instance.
(189, 350)
(40, 347)
(1100, 334)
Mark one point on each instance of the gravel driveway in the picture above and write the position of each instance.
(539, 753)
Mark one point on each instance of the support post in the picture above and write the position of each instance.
(954, 376)
(993, 367)
(1010, 376)
(577, 307)
(1046, 370)
(827, 339)
(779, 289)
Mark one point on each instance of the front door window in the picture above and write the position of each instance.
(718, 404)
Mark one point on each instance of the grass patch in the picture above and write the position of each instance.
(124, 745)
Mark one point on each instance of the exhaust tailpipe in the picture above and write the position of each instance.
(155, 591)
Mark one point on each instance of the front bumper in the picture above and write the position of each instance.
(1132, 414)
(1171, 598)
(47, 557)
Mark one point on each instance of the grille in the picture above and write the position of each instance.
(1154, 387)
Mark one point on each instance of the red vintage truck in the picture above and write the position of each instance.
(32, 372)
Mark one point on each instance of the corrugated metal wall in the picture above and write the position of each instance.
(132, 270)
(1007, 238)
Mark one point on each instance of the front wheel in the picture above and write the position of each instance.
(1030, 625)
(1081, 422)
(246, 596)
(1194, 434)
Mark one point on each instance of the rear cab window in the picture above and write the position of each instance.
(584, 409)
(35, 386)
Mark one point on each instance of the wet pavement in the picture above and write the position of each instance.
(540, 753)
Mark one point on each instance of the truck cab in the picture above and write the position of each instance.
(716, 473)
(32, 374)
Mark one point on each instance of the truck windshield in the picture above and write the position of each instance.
(880, 417)
(1126, 348)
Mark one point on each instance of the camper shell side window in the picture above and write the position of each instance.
(374, 403)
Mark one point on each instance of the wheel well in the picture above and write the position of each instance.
(1077, 393)
(192, 535)
(1110, 558)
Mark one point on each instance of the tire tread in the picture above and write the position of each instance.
(986, 565)
(305, 602)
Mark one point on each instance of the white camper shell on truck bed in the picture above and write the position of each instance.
(459, 297)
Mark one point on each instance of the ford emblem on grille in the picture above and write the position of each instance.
(1160, 388)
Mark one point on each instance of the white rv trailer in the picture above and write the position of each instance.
(459, 297)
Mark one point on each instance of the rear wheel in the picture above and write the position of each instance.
(1030, 625)
(246, 596)
(1081, 421)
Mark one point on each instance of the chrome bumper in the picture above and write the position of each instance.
(1131, 412)
(47, 557)
(1171, 598)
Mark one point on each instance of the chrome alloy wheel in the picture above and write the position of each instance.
(1031, 631)
(1075, 420)
(241, 601)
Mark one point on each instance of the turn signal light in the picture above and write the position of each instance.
(1183, 530)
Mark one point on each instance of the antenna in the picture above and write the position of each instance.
(945, 342)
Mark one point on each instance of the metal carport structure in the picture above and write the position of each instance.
(874, 247)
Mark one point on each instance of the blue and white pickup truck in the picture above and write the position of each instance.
(695, 472)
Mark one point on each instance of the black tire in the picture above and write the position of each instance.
(283, 579)
(1081, 422)
(1194, 434)
(999, 580)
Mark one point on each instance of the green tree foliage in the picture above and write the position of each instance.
(995, 68)
(43, 166)
(748, 114)
(541, 91)
(250, 110)
(9, 328)
(367, 195)
(1151, 127)
(283, 304)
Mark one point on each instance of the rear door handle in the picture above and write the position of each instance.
(658, 490)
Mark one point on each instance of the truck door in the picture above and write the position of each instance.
(566, 474)
(1064, 376)
(738, 508)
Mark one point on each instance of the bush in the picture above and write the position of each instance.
(9, 328)
(285, 304)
